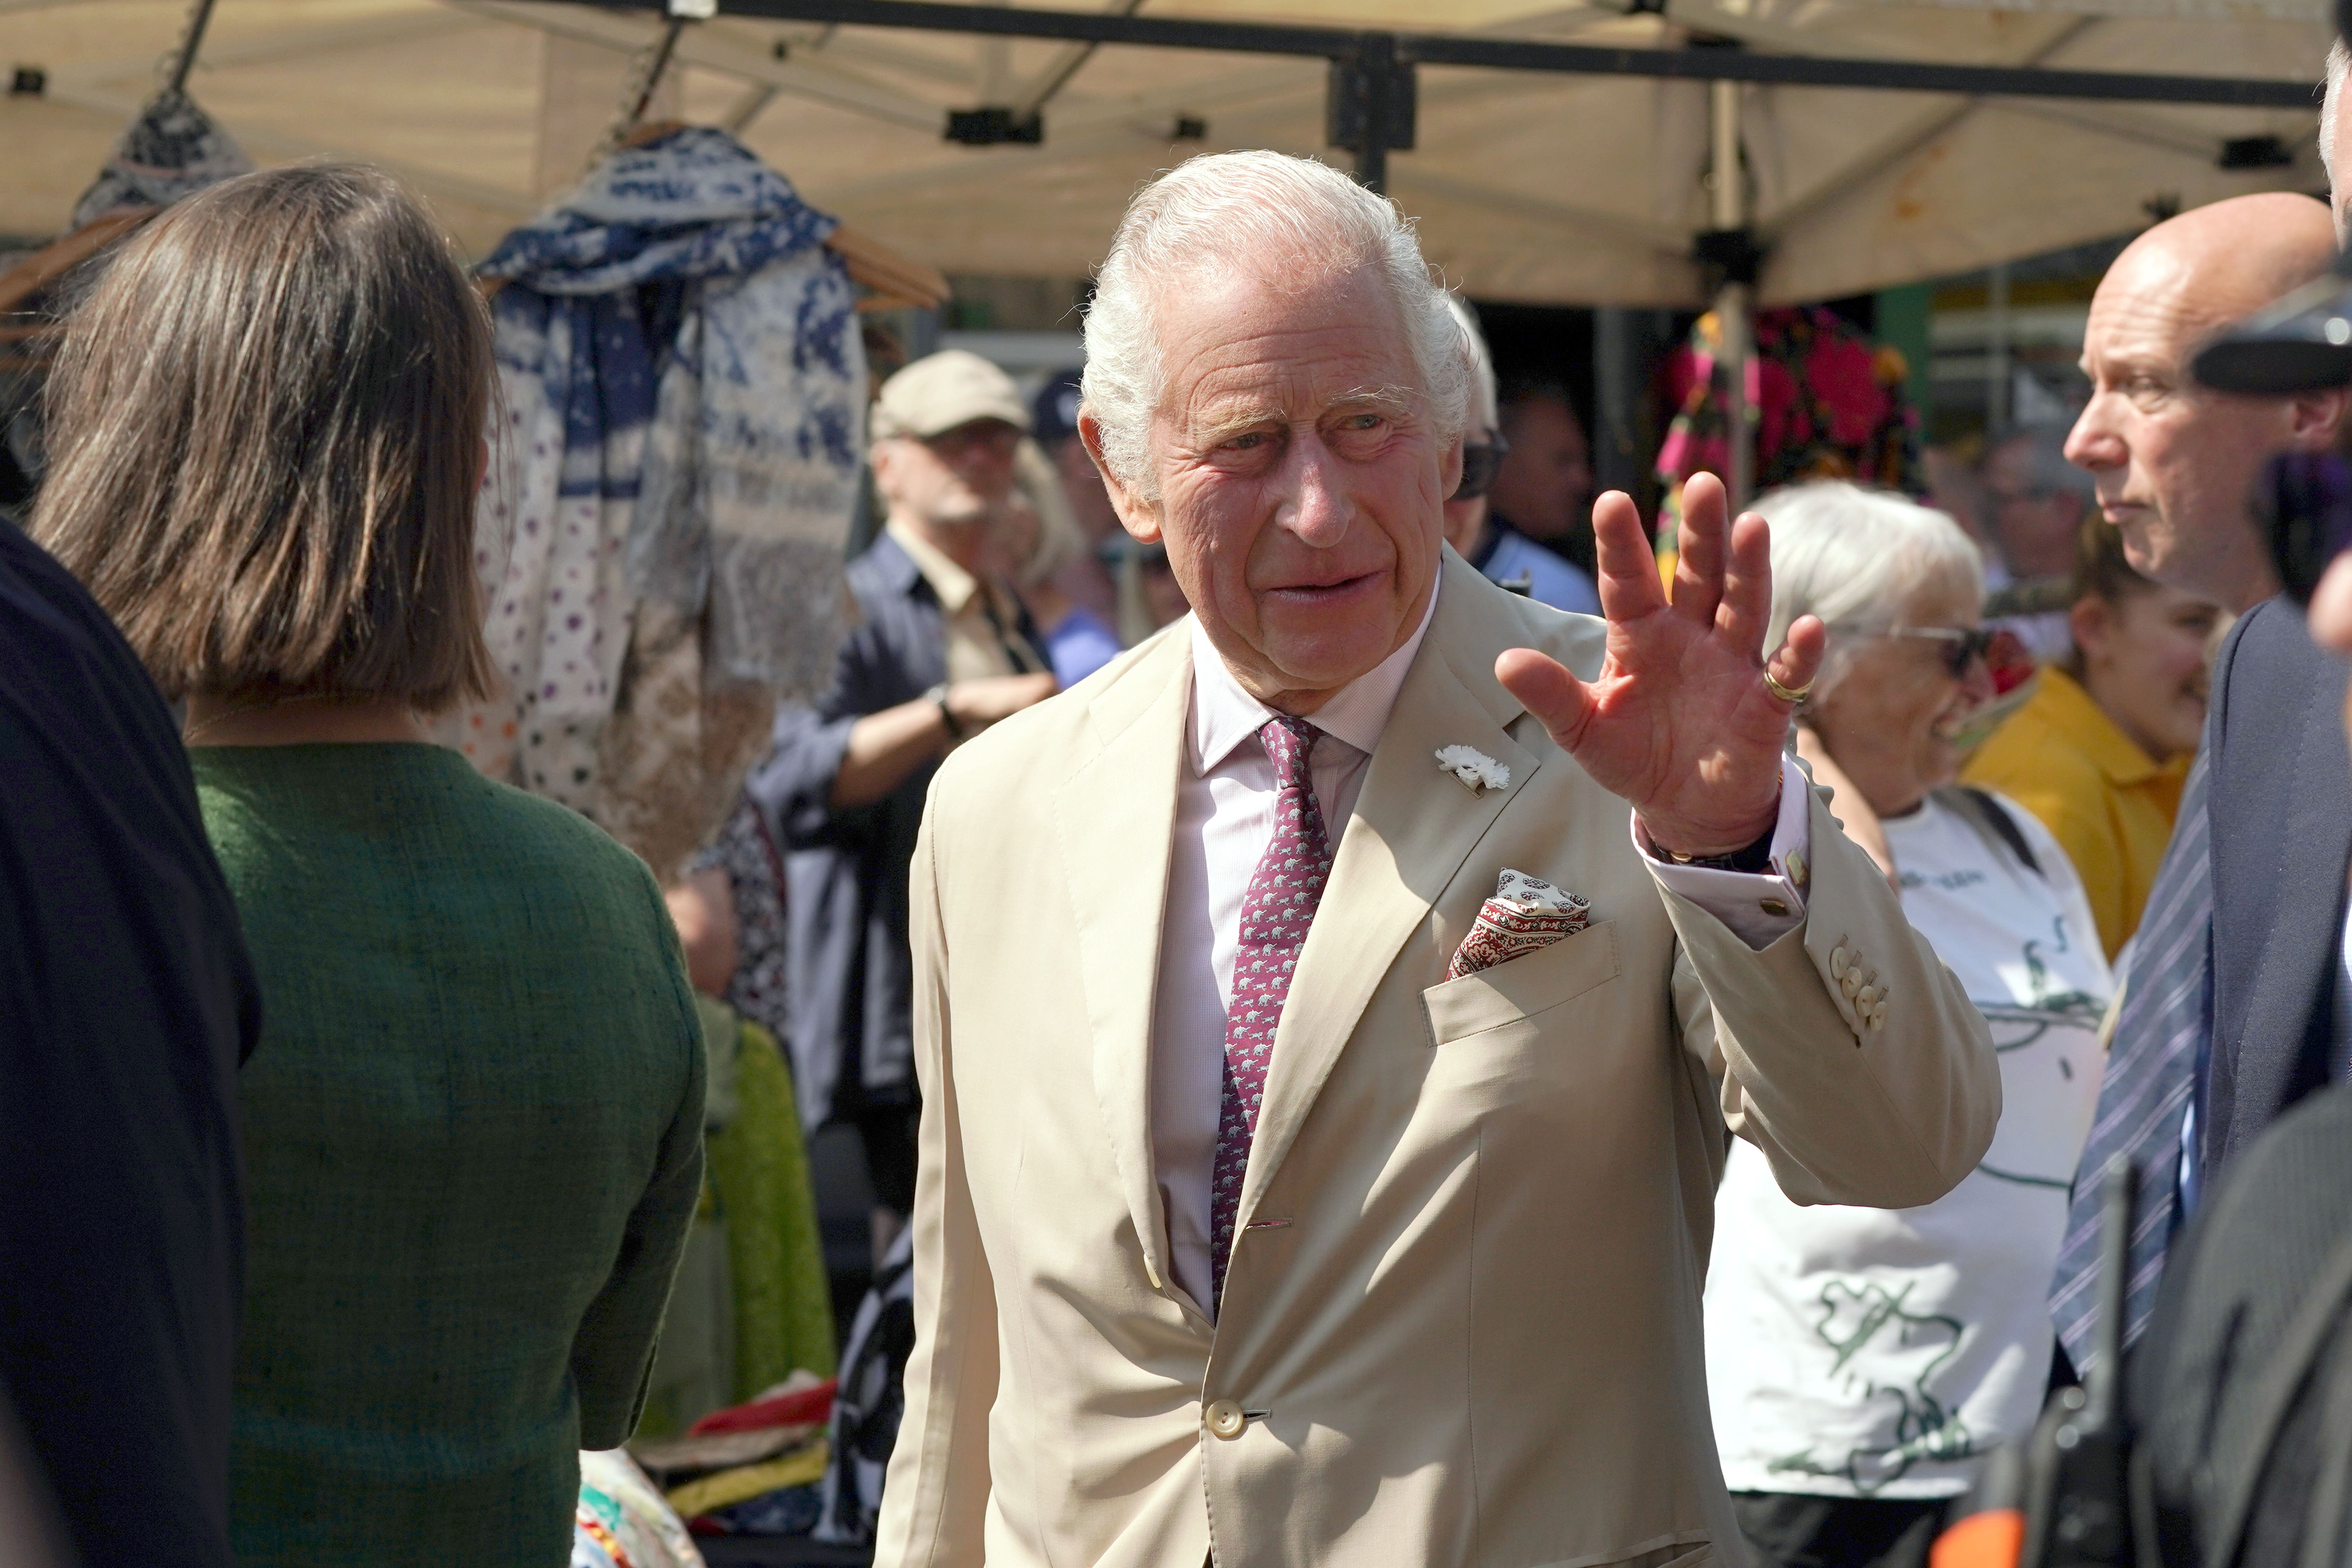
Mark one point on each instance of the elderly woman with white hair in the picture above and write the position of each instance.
(1862, 1360)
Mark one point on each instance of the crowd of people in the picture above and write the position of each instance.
(1388, 1029)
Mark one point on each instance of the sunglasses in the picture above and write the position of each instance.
(2305, 505)
(2005, 657)
(1479, 464)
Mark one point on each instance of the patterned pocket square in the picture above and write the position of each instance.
(1523, 914)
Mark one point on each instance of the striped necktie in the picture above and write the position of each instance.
(1276, 910)
(2151, 1073)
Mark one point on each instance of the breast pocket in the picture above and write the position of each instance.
(1522, 988)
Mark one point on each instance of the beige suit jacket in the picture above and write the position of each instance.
(1473, 1336)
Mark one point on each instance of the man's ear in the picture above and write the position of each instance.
(2314, 417)
(881, 456)
(1449, 467)
(1140, 518)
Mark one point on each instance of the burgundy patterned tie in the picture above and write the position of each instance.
(1275, 913)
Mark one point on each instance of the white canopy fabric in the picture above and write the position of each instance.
(1528, 186)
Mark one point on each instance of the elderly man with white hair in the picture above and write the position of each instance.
(1325, 1077)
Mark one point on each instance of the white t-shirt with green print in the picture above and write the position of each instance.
(1879, 1352)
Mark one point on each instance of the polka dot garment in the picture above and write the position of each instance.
(1276, 910)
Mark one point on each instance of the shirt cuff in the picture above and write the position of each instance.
(1759, 908)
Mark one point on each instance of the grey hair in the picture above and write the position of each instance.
(1211, 211)
(1485, 404)
(1855, 557)
(2339, 62)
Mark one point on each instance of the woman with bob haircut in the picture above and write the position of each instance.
(1862, 1362)
(472, 1130)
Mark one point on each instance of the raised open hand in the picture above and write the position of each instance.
(1680, 721)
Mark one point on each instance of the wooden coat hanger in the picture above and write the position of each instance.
(891, 281)
(59, 257)
(26, 339)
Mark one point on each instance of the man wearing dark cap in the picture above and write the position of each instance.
(941, 651)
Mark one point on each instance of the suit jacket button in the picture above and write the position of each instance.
(1224, 1418)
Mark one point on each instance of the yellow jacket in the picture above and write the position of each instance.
(2107, 802)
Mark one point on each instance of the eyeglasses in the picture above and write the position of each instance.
(1479, 465)
(2305, 502)
(991, 436)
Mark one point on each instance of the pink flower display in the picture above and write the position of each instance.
(1826, 404)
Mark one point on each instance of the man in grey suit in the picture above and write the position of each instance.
(2195, 1064)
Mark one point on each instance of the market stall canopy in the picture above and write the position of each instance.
(1529, 185)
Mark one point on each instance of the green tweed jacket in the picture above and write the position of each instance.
(472, 1137)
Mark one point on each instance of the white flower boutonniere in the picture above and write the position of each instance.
(1476, 770)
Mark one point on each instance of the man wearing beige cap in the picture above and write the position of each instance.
(939, 652)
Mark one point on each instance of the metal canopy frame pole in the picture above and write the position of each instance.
(1369, 108)
(200, 16)
(1735, 299)
(1410, 49)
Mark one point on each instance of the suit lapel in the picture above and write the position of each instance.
(1412, 829)
(2280, 840)
(1123, 798)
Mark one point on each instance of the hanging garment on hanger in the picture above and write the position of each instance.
(172, 150)
(685, 391)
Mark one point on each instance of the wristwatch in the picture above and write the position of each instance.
(938, 697)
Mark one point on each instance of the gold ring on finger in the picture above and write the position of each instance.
(1791, 695)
